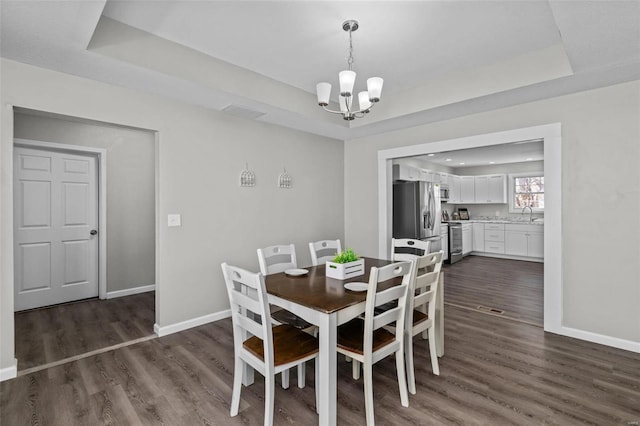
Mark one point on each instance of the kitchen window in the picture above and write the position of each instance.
(526, 190)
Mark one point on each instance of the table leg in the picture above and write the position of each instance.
(328, 369)
(439, 319)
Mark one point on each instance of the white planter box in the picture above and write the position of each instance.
(342, 271)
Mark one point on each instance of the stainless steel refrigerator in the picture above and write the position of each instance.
(416, 211)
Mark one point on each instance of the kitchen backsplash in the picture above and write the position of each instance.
(485, 211)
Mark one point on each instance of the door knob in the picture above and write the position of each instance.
(93, 232)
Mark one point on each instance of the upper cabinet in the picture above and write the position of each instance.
(491, 189)
(486, 189)
(403, 172)
(467, 189)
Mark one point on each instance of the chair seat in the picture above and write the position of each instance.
(285, 317)
(351, 337)
(289, 345)
(419, 317)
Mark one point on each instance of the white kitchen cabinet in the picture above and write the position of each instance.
(467, 238)
(491, 189)
(478, 236)
(497, 189)
(467, 189)
(524, 240)
(404, 172)
(454, 189)
(444, 235)
(535, 244)
(494, 238)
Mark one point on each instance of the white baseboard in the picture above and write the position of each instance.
(194, 322)
(614, 342)
(130, 291)
(9, 372)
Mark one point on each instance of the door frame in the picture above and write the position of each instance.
(551, 135)
(101, 155)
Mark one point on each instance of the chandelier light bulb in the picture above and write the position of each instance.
(363, 100)
(374, 87)
(324, 92)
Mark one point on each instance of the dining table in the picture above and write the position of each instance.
(324, 302)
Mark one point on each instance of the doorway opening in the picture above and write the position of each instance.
(551, 138)
(124, 233)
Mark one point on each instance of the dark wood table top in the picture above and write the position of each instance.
(318, 292)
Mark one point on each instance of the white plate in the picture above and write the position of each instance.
(296, 272)
(356, 286)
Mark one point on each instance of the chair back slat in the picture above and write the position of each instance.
(408, 246)
(322, 251)
(278, 258)
(388, 295)
(387, 317)
(248, 315)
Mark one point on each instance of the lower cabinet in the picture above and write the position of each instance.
(467, 238)
(524, 240)
(478, 236)
(494, 238)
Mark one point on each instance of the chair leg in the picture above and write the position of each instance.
(315, 384)
(402, 380)
(269, 393)
(301, 374)
(368, 391)
(285, 379)
(408, 353)
(237, 386)
(432, 351)
(355, 369)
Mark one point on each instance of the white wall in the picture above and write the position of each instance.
(600, 157)
(201, 154)
(130, 190)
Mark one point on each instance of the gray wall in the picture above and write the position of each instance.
(200, 156)
(600, 181)
(130, 190)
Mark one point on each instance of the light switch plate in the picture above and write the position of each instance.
(174, 220)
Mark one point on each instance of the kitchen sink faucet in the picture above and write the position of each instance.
(530, 213)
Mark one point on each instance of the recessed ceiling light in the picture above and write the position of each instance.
(448, 159)
(462, 164)
(492, 162)
(529, 159)
(430, 155)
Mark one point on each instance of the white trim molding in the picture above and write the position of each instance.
(130, 291)
(194, 322)
(551, 135)
(9, 372)
(627, 345)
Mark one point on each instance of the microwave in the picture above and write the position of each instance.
(444, 193)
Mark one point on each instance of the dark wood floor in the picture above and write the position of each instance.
(494, 372)
(62, 331)
(512, 286)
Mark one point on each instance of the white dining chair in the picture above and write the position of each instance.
(270, 350)
(324, 250)
(421, 311)
(365, 340)
(278, 258)
(273, 260)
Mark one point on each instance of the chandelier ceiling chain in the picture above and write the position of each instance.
(366, 99)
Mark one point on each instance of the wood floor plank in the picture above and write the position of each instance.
(57, 332)
(495, 372)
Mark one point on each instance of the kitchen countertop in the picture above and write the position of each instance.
(523, 221)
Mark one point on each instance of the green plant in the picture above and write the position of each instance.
(346, 256)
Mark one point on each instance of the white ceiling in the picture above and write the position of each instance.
(517, 152)
(268, 55)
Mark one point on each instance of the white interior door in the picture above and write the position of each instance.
(55, 224)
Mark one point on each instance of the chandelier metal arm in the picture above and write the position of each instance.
(348, 112)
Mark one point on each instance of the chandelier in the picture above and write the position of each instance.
(347, 78)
